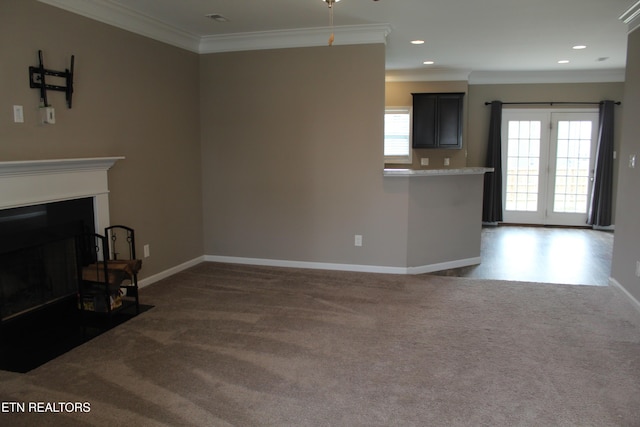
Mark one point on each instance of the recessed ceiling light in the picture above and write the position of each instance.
(428, 62)
(217, 17)
(563, 61)
(417, 41)
(579, 46)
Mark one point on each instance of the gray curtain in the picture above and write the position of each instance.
(602, 190)
(492, 198)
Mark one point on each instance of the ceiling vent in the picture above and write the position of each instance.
(217, 17)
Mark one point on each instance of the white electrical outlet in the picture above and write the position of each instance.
(638, 268)
(358, 240)
(18, 114)
(632, 161)
(146, 251)
(424, 161)
(447, 161)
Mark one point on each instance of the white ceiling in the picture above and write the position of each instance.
(480, 38)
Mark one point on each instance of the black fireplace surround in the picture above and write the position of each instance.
(38, 257)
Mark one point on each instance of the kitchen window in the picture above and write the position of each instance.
(397, 135)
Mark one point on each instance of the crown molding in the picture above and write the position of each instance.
(507, 77)
(427, 75)
(632, 17)
(130, 20)
(303, 37)
(525, 77)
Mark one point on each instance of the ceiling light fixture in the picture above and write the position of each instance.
(330, 3)
(579, 47)
(563, 61)
(417, 41)
(428, 62)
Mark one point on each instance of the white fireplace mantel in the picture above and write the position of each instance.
(34, 182)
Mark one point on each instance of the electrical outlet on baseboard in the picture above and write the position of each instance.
(146, 251)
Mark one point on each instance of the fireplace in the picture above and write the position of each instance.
(38, 253)
(43, 205)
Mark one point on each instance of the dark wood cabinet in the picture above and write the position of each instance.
(437, 120)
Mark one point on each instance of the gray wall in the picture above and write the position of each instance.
(292, 157)
(444, 219)
(626, 249)
(134, 97)
(559, 92)
(567, 92)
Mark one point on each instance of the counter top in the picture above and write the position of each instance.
(435, 172)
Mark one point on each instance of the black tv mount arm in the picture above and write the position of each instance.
(37, 80)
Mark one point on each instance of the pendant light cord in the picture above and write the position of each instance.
(331, 37)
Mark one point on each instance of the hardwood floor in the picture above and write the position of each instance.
(543, 254)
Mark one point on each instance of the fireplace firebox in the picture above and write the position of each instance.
(38, 256)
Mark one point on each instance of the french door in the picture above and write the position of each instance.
(548, 164)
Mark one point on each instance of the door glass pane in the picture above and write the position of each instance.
(563, 130)
(572, 166)
(523, 164)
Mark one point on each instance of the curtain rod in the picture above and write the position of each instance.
(553, 103)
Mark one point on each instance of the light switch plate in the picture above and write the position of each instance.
(18, 114)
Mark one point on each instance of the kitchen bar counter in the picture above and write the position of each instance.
(436, 172)
(443, 215)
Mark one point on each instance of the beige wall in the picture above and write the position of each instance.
(626, 249)
(398, 94)
(292, 157)
(134, 97)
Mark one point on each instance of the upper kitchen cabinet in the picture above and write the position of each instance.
(437, 120)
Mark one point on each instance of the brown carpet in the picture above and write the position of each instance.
(259, 346)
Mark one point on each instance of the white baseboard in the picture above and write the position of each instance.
(613, 282)
(444, 266)
(344, 267)
(169, 272)
(604, 227)
(311, 265)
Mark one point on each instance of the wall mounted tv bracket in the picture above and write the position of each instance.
(37, 79)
